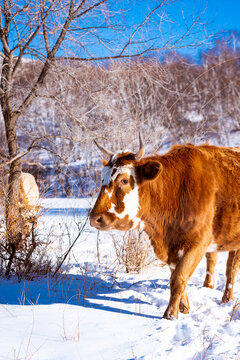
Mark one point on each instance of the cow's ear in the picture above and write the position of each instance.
(104, 162)
(149, 170)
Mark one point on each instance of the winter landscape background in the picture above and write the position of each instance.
(91, 295)
(95, 309)
(175, 100)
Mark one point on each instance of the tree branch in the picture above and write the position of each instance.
(89, 9)
(30, 37)
(68, 112)
(24, 153)
(140, 26)
(46, 66)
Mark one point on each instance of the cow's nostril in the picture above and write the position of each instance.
(99, 220)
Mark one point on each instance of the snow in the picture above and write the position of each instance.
(193, 116)
(95, 310)
(49, 203)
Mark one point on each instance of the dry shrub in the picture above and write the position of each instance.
(133, 250)
(27, 256)
(21, 251)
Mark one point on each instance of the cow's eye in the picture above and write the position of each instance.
(124, 182)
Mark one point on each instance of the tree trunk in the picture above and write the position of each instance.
(12, 205)
(12, 200)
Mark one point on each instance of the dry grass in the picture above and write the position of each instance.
(133, 250)
(236, 307)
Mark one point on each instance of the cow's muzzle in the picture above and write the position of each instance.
(100, 221)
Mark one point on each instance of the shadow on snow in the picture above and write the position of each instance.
(80, 290)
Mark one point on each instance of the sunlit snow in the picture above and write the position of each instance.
(95, 310)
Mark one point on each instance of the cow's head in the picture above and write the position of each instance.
(118, 206)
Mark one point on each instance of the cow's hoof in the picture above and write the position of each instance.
(208, 285)
(184, 308)
(225, 299)
(168, 316)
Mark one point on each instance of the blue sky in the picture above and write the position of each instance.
(219, 15)
(225, 13)
(163, 28)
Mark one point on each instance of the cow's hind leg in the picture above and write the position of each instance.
(233, 264)
(211, 259)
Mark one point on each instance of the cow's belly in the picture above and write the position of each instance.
(227, 245)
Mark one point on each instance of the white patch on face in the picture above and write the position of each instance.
(172, 266)
(212, 247)
(130, 200)
(127, 169)
(107, 173)
(131, 206)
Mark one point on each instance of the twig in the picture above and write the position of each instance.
(236, 306)
(70, 247)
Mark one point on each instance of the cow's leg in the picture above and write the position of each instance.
(179, 279)
(233, 264)
(184, 306)
(211, 259)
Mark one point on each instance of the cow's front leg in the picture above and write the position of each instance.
(179, 280)
(184, 306)
(233, 264)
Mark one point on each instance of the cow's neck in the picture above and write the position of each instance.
(151, 216)
(158, 213)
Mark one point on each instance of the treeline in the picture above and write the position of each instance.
(175, 100)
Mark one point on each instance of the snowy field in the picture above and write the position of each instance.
(97, 311)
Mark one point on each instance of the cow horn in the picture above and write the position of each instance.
(105, 152)
(141, 150)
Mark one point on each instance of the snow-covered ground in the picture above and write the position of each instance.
(96, 310)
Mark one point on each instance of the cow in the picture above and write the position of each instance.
(187, 201)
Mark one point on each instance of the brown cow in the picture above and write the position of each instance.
(187, 201)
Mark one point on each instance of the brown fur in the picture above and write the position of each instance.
(188, 199)
(233, 264)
